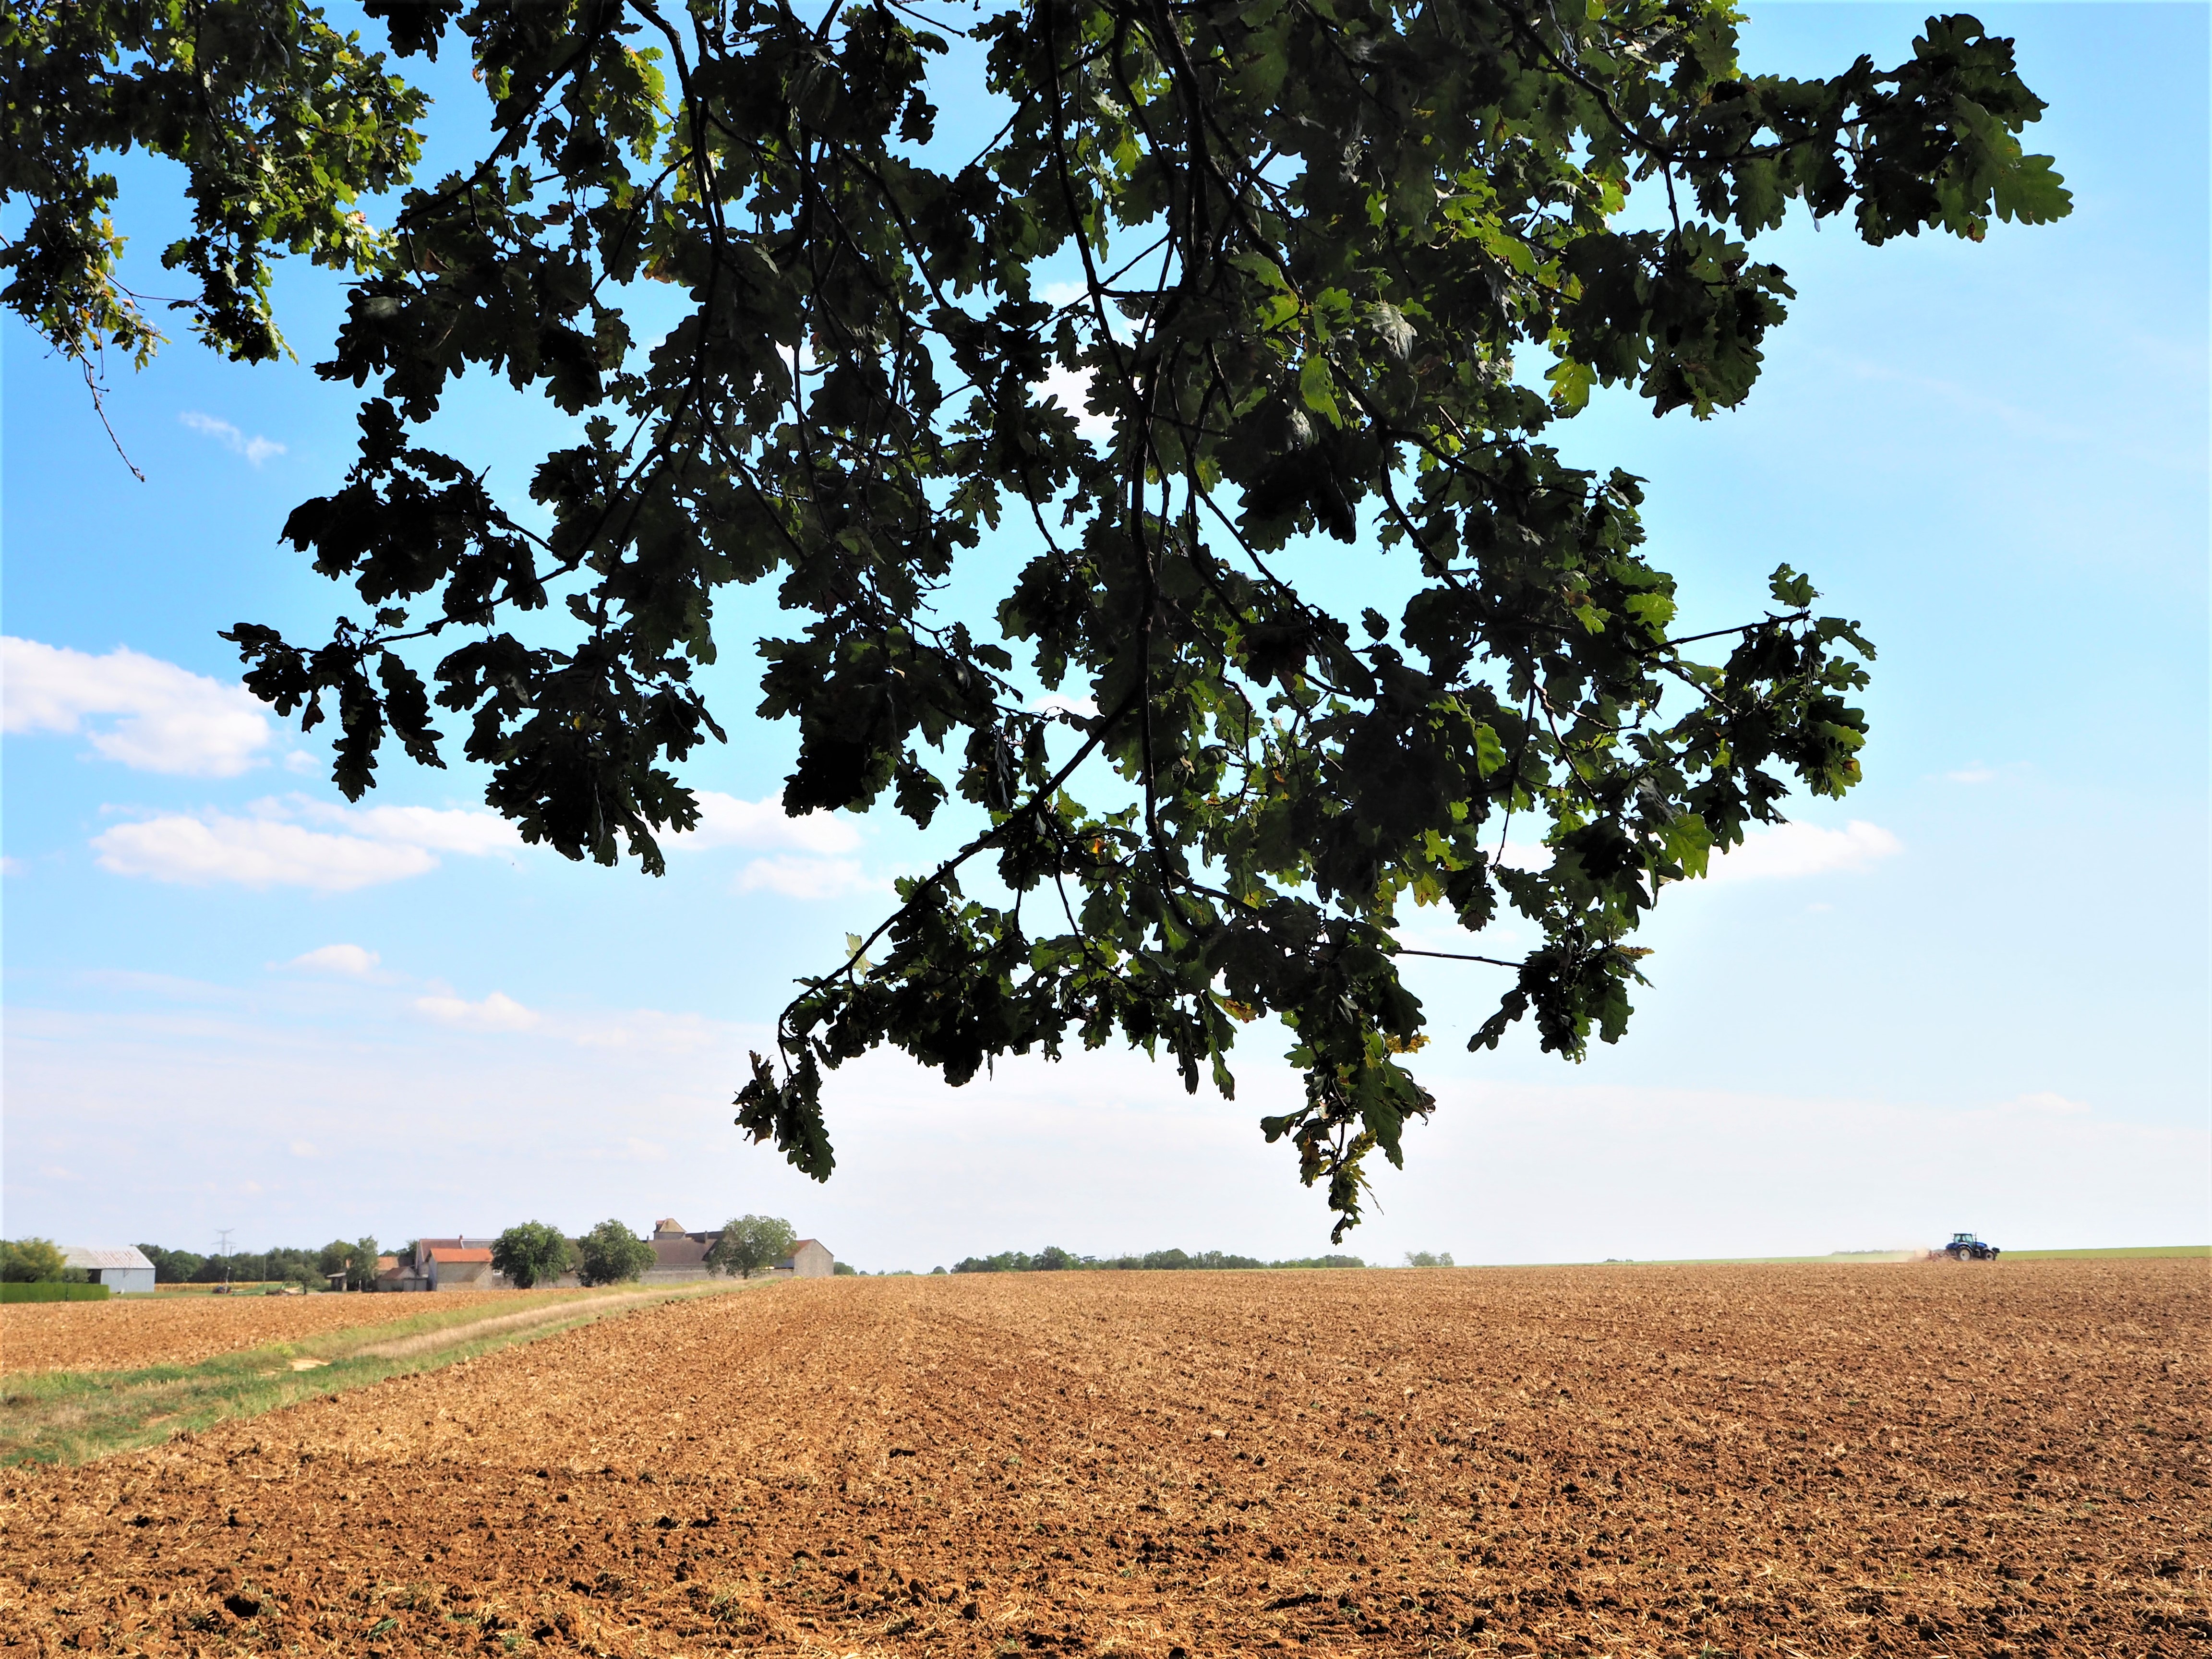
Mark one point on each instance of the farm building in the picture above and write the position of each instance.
(125, 1270)
(451, 1269)
(808, 1259)
(440, 1264)
(677, 1256)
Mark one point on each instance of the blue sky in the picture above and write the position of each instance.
(1971, 995)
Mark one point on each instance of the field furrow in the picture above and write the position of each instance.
(1923, 1459)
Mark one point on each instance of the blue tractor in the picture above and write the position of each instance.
(1964, 1247)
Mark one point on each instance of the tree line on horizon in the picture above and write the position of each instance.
(38, 1260)
(537, 1253)
(1053, 1259)
(533, 1252)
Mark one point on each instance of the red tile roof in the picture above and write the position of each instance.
(461, 1255)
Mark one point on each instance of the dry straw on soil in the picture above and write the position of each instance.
(1926, 1460)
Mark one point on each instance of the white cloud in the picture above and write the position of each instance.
(305, 1149)
(348, 959)
(165, 718)
(762, 825)
(1978, 771)
(646, 1030)
(497, 1013)
(2043, 1104)
(804, 878)
(270, 849)
(10, 866)
(214, 847)
(1055, 703)
(441, 829)
(1524, 855)
(256, 449)
(1789, 850)
(1072, 387)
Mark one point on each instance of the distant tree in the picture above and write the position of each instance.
(611, 1255)
(1054, 1260)
(844, 1270)
(361, 1275)
(1006, 1262)
(280, 1265)
(30, 1262)
(1428, 1259)
(171, 1266)
(536, 1252)
(334, 1258)
(751, 1245)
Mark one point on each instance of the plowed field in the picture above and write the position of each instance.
(126, 1331)
(1925, 1460)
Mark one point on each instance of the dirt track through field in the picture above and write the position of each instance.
(1923, 1459)
(407, 1347)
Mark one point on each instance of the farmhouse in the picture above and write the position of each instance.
(125, 1270)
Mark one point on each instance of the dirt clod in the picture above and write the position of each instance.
(1622, 1462)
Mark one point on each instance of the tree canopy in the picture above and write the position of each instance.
(1312, 270)
(357, 1261)
(611, 1255)
(752, 1244)
(30, 1262)
(534, 1252)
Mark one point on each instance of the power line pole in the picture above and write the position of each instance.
(222, 1248)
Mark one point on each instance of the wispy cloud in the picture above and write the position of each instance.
(256, 449)
(146, 714)
(1791, 850)
(807, 853)
(350, 960)
(805, 878)
(437, 828)
(497, 1013)
(763, 826)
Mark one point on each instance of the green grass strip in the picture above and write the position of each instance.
(75, 1417)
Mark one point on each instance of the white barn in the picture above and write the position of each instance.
(808, 1259)
(125, 1270)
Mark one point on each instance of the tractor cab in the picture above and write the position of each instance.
(1964, 1247)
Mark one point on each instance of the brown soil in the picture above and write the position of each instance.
(127, 1332)
(1927, 1459)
